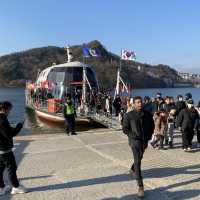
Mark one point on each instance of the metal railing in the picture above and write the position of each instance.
(99, 116)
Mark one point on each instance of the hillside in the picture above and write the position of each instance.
(18, 67)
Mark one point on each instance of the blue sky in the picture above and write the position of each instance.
(159, 31)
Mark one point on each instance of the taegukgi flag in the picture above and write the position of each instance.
(128, 55)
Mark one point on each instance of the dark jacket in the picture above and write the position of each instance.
(156, 106)
(138, 126)
(149, 107)
(117, 103)
(7, 133)
(187, 119)
(180, 105)
(168, 107)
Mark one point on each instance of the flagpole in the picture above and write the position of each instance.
(123, 84)
(84, 89)
(118, 79)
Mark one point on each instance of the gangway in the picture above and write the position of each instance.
(106, 120)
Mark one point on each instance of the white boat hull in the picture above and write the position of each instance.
(50, 117)
(58, 119)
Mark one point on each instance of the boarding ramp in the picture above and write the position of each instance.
(106, 120)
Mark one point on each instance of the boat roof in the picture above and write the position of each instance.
(44, 73)
(69, 64)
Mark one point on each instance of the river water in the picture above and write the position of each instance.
(34, 126)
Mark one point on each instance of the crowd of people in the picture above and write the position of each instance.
(144, 120)
(153, 121)
(167, 112)
(169, 115)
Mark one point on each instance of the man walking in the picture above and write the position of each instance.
(138, 125)
(187, 122)
(7, 158)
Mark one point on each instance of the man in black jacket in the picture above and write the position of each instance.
(7, 158)
(180, 104)
(187, 122)
(138, 125)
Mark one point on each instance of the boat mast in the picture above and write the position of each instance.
(84, 85)
(69, 54)
(118, 80)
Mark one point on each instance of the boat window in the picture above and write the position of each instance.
(60, 77)
(78, 74)
(66, 74)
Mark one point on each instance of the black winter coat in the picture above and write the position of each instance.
(180, 105)
(138, 126)
(188, 119)
(168, 107)
(7, 133)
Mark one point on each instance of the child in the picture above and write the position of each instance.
(170, 127)
(160, 125)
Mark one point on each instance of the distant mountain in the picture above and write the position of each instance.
(16, 68)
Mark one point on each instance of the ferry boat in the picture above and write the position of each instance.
(46, 95)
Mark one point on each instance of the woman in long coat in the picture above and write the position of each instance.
(160, 121)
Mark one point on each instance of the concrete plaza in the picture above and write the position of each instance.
(93, 166)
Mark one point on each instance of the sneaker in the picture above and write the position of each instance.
(140, 192)
(184, 149)
(4, 190)
(189, 149)
(19, 190)
(74, 133)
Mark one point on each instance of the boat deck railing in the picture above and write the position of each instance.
(99, 116)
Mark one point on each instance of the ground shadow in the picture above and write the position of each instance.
(150, 173)
(157, 195)
(35, 177)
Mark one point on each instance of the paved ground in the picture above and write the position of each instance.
(94, 165)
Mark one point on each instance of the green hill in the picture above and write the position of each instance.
(16, 68)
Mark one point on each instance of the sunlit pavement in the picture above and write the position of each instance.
(94, 165)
